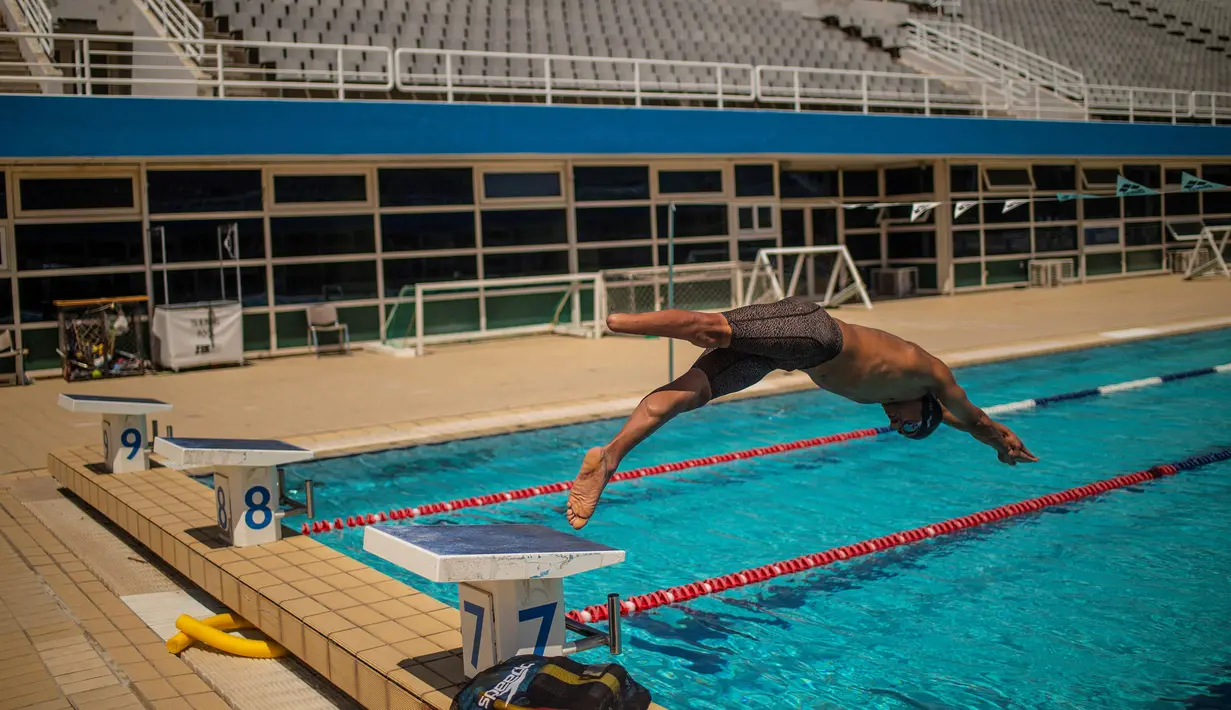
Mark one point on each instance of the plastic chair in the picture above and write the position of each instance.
(323, 318)
(7, 351)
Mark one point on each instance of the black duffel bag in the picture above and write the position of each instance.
(538, 683)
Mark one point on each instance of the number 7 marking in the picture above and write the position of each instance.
(547, 613)
(479, 612)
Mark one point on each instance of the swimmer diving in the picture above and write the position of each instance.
(868, 366)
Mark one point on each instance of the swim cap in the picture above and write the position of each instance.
(933, 415)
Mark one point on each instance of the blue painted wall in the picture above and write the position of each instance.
(71, 127)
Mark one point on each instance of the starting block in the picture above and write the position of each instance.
(247, 486)
(509, 579)
(124, 427)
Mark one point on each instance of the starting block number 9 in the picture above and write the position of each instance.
(129, 437)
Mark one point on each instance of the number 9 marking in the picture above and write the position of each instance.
(478, 611)
(258, 506)
(132, 439)
(221, 497)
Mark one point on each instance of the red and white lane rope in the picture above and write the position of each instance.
(713, 585)
(320, 526)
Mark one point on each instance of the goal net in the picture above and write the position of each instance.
(831, 265)
(697, 287)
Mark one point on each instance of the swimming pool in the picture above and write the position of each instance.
(1117, 602)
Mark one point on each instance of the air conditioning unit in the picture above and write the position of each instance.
(1178, 261)
(896, 282)
(1048, 273)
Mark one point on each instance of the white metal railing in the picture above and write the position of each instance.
(987, 55)
(465, 72)
(484, 289)
(150, 65)
(180, 24)
(39, 17)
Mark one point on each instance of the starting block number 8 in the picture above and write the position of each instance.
(257, 499)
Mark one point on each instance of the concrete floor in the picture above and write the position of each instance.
(304, 395)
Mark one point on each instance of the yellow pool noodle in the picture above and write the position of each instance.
(216, 637)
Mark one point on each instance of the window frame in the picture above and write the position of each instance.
(986, 183)
(133, 173)
(482, 199)
(275, 208)
(723, 168)
(152, 216)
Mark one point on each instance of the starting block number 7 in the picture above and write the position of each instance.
(545, 613)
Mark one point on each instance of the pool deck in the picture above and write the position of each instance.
(379, 641)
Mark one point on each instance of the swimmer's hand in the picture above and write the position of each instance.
(1011, 450)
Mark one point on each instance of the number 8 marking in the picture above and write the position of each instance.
(221, 496)
(547, 613)
(472, 608)
(132, 439)
(255, 506)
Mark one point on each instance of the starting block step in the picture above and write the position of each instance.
(182, 452)
(509, 577)
(124, 427)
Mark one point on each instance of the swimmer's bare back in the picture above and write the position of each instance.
(865, 365)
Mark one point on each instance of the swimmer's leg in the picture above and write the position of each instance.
(689, 391)
(705, 330)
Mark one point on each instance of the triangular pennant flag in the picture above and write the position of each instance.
(918, 209)
(851, 207)
(878, 205)
(1192, 183)
(1012, 204)
(1066, 196)
(960, 208)
(1128, 188)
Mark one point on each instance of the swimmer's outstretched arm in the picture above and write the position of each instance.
(964, 415)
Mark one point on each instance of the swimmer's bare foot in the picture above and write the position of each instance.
(588, 487)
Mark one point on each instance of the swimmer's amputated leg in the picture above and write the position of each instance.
(689, 391)
(705, 330)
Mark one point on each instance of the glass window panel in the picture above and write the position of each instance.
(747, 220)
(909, 181)
(197, 240)
(861, 217)
(671, 182)
(1143, 206)
(966, 243)
(525, 264)
(696, 253)
(6, 302)
(76, 193)
(1055, 239)
(66, 246)
(1147, 175)
(1055, 177)
(36, 294)
(415, 187)
(193, 285)
(408, 272)
(1101, 208)
(1136, 235)
(317, 236)
(967, 275)
(1144, 260)
(794, 233)
(694, 221)
(824, 226)
(614, 258)
(428, 230)
(993, 212)
(1102, 236)
(4, 201)
(1007, 241)
(860, 183)
(1001, 272)
(611, 183)
(1217, 201)
(311, 283)
(754, 181)
(1002, 178)
(809, 183)
(747, 250)
(1102, 264)
(179, 191)
(1182, 203)
(1100, 177)
(514, 185)
(295, 189)
(912, 245)
(1054, 211)
(609, 224)
(964, 178)
(512, 228)
(864, 246)
(765, 217)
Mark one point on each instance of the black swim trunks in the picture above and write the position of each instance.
(792, 334)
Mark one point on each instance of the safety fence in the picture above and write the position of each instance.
(407, 513)
(713, 585)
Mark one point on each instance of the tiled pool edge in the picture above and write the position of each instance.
(349, 442)
(297, 591)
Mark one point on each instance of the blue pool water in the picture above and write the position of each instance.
(1117, 602)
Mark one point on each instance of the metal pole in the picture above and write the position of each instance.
(222, 271)
(614, 638)
(166, 290)
(671, 285)
(239, 286)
